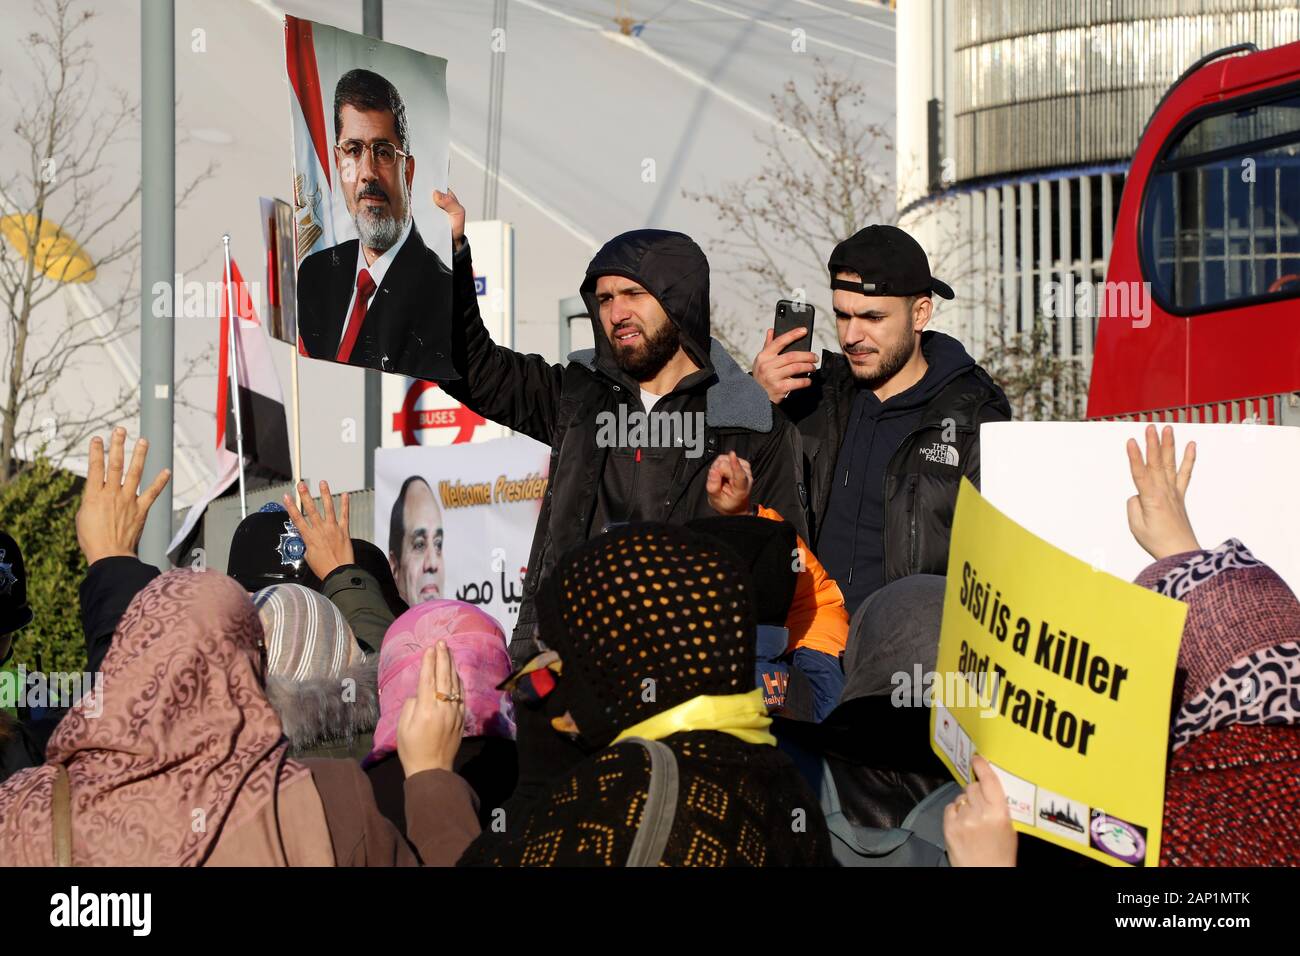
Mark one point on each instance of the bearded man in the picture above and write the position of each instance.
(890, 425)
(373, 301)
(647, 294)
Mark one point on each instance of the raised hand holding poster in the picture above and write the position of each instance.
(1061, 676)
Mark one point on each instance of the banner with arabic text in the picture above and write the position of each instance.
(457, 520)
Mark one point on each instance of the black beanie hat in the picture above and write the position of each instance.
(767, 550)
(14, 612)
(646, 602)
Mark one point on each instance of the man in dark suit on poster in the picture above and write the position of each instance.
(382, 300)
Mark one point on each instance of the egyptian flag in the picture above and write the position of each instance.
(261, 403)
(261, 406)
(312, 223)
(312, 143)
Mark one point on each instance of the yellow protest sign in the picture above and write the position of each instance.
(1061, 676)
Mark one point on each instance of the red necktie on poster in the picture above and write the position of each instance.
(365, 286)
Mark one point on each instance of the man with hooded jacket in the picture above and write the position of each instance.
(647, 293)
(889, 425)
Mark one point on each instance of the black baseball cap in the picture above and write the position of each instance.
(889, 261)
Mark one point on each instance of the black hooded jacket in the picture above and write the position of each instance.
(592, 482)
(883, 477)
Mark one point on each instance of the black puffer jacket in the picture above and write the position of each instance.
(558, 405)
(924, 472)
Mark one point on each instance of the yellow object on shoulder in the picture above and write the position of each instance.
(741, 715)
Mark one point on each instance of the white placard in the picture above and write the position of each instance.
(1068, 482)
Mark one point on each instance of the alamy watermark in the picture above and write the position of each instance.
(953, 689)
(989, 689)
(201, 300)
(1098, 300)
(36, 689)
(636, 429)
(74, 908)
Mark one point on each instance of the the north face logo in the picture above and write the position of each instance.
(940, 454)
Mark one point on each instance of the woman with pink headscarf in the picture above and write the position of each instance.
(487, 756)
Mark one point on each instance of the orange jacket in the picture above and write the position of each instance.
(818, 619)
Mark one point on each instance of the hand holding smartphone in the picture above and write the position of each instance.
(791, 315)
(786, 360)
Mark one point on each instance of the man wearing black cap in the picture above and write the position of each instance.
(647, 293)
(890, 425)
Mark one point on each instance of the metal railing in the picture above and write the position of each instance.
(1280, 409)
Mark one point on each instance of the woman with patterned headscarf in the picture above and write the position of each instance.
(319, 680)
(653, 626)
(179, 759)
(1235, 730)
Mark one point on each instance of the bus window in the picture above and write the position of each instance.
(1221, 217)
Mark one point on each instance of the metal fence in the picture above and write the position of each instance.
(1283, 409)
(1025, 233)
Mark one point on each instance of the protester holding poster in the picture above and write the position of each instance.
(1234, 732)
(640, 426)
(371, 292)
(1236, 728)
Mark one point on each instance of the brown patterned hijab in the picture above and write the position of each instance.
(184, 746)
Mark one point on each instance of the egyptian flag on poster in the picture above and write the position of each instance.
(313, 224)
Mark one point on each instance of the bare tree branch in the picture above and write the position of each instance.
(67, 132)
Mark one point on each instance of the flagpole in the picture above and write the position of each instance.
(158, 260)
(297, 430)
(234, 379)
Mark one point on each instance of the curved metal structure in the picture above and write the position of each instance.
(1045, 85)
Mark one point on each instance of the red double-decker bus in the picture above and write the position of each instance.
(1208, 234)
